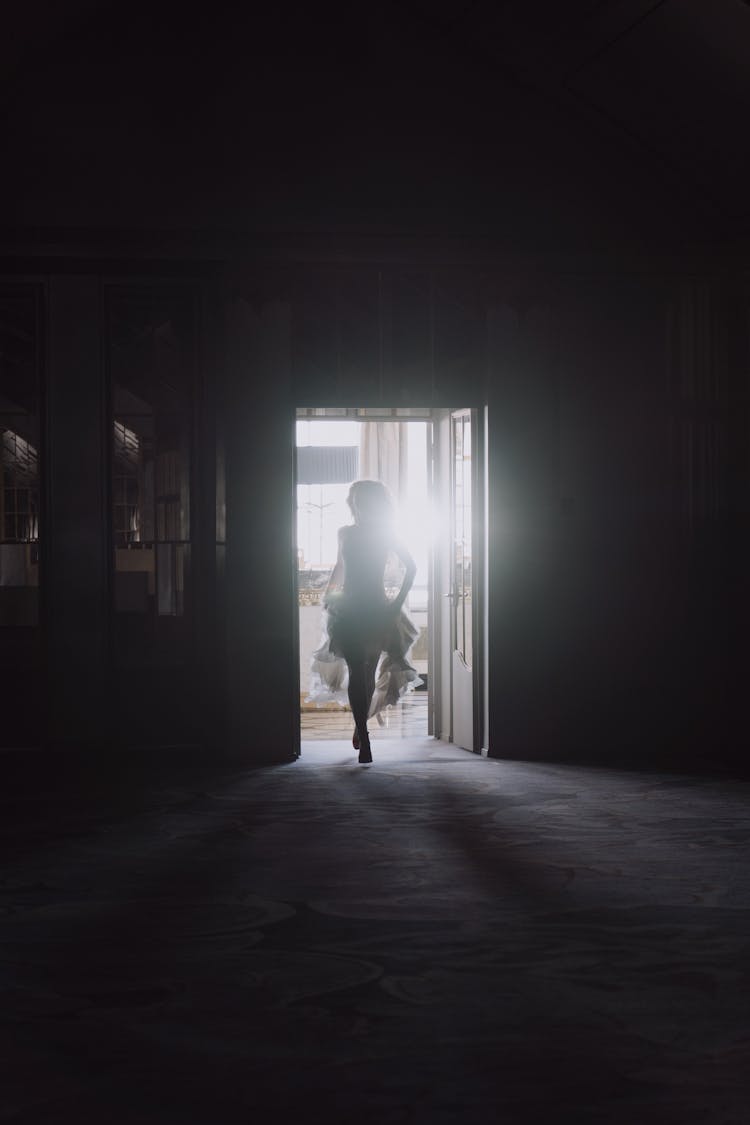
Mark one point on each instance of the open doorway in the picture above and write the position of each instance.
(433, 462)
(334, 448)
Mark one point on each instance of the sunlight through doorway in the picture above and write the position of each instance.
(334, 448)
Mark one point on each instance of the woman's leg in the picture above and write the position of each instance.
(360, 705)
(371, 666)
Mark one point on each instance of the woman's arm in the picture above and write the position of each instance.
(408, 582)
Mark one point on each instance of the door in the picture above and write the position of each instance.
(456, 484)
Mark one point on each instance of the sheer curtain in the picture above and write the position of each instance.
(383, 455)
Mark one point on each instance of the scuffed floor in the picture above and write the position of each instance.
(437, 938)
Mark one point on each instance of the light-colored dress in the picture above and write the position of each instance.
(359, 622)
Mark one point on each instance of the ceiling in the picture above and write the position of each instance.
(655, 91)
(670, 77)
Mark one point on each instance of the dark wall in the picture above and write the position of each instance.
(314, 118)
(373, 212)
(618, 541)
(615, 536)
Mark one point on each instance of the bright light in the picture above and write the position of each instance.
(415, 524)
(322, 509)
(321, 431)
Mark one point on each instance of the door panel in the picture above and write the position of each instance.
(441, 661)
(463, 700)
(461, 601)
(454, 608)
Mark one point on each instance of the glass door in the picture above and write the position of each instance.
(461, 580)
(454, 601)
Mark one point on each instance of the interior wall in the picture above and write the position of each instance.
(22, 614)
(75, 577)
(737, 295)
(76, 694)
(610, 524)
(617, 515)
(261, 699)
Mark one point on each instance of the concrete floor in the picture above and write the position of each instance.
(435, 938)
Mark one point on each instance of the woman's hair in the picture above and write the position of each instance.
(370, 502)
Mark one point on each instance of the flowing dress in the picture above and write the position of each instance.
(359, 622)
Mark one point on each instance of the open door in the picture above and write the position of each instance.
(334, 446)
(456, 586)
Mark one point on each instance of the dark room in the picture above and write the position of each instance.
(374, 561)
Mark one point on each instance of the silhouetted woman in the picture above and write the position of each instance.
(363, 624)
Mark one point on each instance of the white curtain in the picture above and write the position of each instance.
(383, 455)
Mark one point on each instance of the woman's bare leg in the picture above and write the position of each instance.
(360, 705)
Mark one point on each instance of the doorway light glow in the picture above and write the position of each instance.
(322, 509)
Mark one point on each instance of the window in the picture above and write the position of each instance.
(19, 461)
(152, 371)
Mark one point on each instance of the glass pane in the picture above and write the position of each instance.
(462, 536)
(151, 348)
(221, 489)
(19, 461)
(134, 580)
(166, 586)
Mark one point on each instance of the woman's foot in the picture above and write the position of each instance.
(365, 754)
(355, 739)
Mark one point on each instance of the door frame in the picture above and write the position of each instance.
(479, 539)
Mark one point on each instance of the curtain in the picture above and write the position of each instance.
(383, 455)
